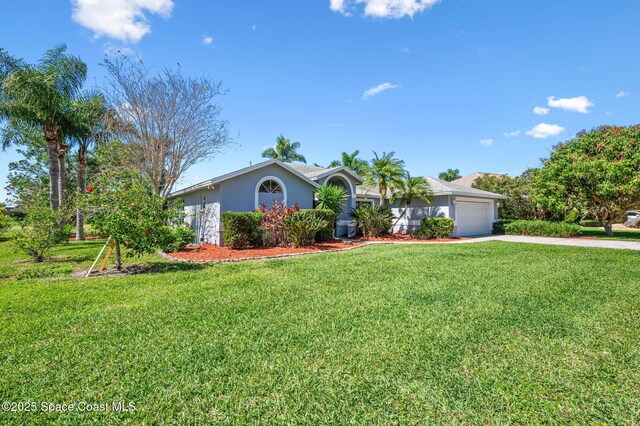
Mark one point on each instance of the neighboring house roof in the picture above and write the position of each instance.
(439, 187)
(468, 180)
(220, 179)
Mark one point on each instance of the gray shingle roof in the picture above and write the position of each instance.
(440, 187)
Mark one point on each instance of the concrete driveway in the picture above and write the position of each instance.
(572, 242)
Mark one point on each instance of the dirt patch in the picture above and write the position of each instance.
(89, 237)
(113, 272)
(212, 253)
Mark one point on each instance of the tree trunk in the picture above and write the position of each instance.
(62, 175)
(54, 171)
(607, 225)
(400, 217)
(81, 185)
(118, 257)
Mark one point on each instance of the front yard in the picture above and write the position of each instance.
(472, 333)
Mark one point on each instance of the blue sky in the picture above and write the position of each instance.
(449, 83)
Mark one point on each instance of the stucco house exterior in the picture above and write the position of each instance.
(244, 190)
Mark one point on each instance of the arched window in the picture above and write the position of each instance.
(270, 187)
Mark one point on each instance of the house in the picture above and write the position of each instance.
(473, 210)
(469, 180)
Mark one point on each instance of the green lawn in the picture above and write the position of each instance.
(626, 234)
(490, 333)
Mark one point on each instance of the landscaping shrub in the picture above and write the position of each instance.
(242, 230)
(437, 227)
(40, 231)
(302, 228)
(273, 222)
(541, 228)
(5, 220)
(590, 223)
(373, 221)
(177, 238)
(498, 227)
(420, 234)
(326, 232)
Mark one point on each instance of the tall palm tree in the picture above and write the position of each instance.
(285, 151)
(384, 171)
(351, 161)
(408, 190)
(450, 175)
(42, 95)
(91, 125)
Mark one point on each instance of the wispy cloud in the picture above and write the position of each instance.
(111, 50)
(513, 134)
(369, 93)
(486, 142)
(382, 8)
(622, 94)
(207, 40)
(254, 27)
(406, 50)
(577, 104)
(544, 131)
(541, 110)
(124, 20)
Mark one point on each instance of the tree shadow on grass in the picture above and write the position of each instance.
(617, 234)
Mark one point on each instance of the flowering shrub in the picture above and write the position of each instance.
(121, 204)
(273, 222)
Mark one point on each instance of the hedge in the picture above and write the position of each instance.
(590, 223)
(325, 215)
(541, 228)
(436, 227)
(498, 227)
(242, 230)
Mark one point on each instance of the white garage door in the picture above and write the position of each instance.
(472, 219)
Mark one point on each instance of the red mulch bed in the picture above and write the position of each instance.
(212, 252)
(407, 237)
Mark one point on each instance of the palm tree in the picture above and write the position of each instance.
(331, 197)
(384, 171)
(351, 161)
(42, 95)
(90, 126)
(409, 189)
(285, 151)
(450, 175)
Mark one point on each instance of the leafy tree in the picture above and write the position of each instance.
(42, 95)
(5, 220)
(384, 171)
(450, 175)
(285, 151)
(598, 170)
(409, 189)
(351, 161)
(331, 197)
(124, 205)
(518, 204)
(40, 230)
(171, 121)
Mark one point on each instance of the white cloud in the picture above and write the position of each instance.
(383, 8)
(207, 40)
(622, 94)
(486, 142)
(541, 110)
(513, 134)
(544, 130)
(254, 27)
(111, 50)
(577, 104)
(378, 89)
(123, 20)
(406, 50)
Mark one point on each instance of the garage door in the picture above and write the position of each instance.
(472, 219)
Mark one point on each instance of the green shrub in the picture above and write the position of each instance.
(176, 238)
(5, 220)
(437, 227)
(541, 228)
(420, 234)
(242, 230)
(373, 221)
(573, 216)
(590, 223)
(498, 227)
(302, 229)
(40, 231)
(327, 232)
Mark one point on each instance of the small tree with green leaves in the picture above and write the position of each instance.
(598, 171)
(409, 189)
(331, 197)
(5, 220)
(122, 204)
(384, 172)
(40, 230)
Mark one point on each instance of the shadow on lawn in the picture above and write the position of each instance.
(617, 234)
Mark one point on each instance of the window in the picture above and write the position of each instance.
(364, 203)
(203, 202)
(270, 187)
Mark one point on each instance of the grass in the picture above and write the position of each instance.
(625, 235)
(489, 333)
